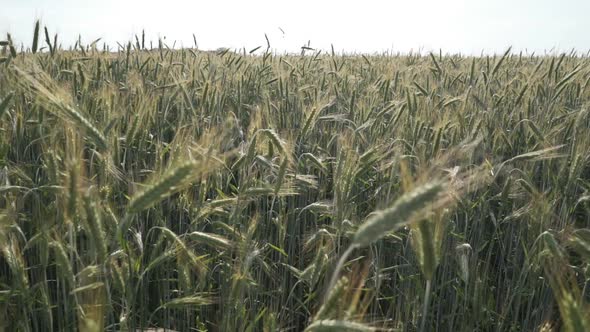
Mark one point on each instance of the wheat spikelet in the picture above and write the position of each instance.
(215, 206)
(185, 254)
(463, 252)
(189, 301)
(91, 298)
(338, 326)
(172, 182)
(574, 314)
(424, 246)
(48, 92)
(72, 192)
(35, 37)
(276, 141)
(332, 300)
(5, 102)
(401, 213)
(9, 248)
(63, 262)
(382, 222)
(94, 221)
(212, 240)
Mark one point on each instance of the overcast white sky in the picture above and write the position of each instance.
(466, 26)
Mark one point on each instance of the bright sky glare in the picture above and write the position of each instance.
(465, 26)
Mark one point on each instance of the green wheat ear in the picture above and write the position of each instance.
(213, 240)
(425, 247)
(382, 222)
(398, 215)
(332, 300)
(94, 222)
(463, 253)
(49, 93)
(35, 38)
(338, 326)
(175, 180)
(5, 102)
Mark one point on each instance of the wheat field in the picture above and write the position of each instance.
(147, 187)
